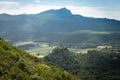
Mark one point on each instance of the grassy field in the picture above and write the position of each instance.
(43, 49)
(90, 32)
(40, 51)
(83, 51)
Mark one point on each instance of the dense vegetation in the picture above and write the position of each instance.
(80, 40)
(95, 65)
(16, 64)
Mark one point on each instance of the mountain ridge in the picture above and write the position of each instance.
(60, 12)
(51, 21)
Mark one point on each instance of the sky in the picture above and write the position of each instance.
(89, 8)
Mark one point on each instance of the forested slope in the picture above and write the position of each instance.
(16, 64)
(95, 65)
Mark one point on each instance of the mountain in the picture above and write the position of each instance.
(61, 12)
(63, 20)
(60, 26)
(16, 64)
(95, 65)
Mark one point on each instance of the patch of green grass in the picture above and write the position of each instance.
(40, 50)
(83, 51)
(93, 32)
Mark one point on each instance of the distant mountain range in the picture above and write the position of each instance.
(22, 27)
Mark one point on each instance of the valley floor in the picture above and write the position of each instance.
(42, 49)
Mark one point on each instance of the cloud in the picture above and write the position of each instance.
(85, 10)
(29, 9)
(8, 4)
(37, 1)
(15, 8)
(98, 12)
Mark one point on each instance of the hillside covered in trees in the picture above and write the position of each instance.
(16, 64)
(95, 65)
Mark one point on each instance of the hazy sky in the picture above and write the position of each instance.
(90, 8)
